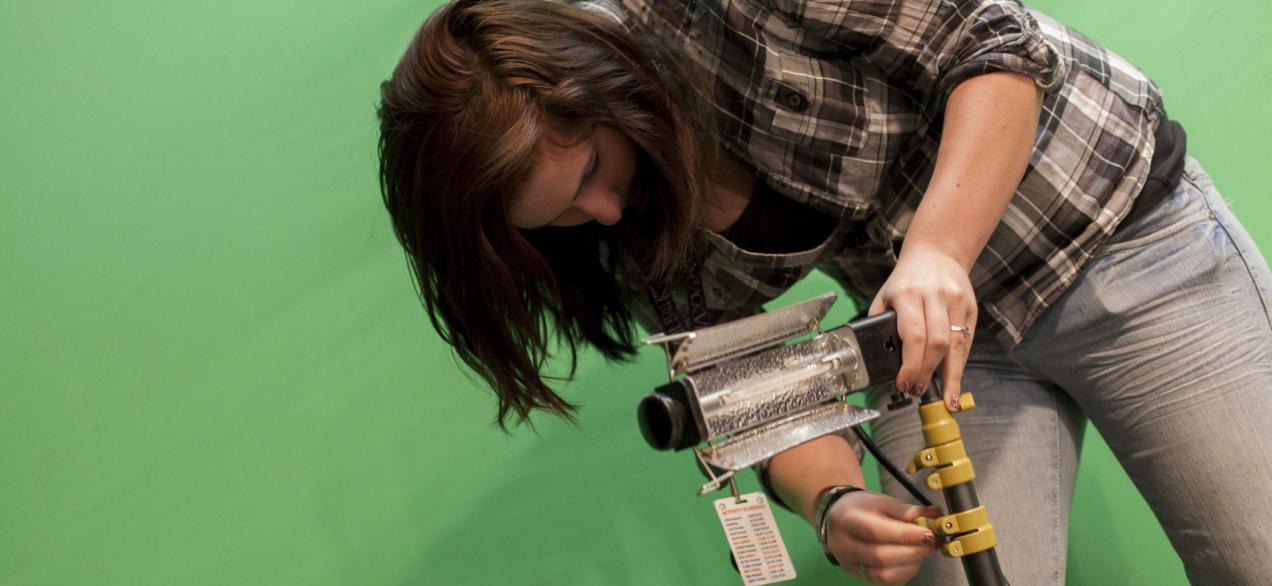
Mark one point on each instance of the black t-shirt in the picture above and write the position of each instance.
(775, 224)
(1165, 170)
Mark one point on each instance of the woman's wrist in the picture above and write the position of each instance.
(825, 500)
(920, 246)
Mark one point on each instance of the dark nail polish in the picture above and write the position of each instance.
(954, 402)
(929, 539)
(918, 389)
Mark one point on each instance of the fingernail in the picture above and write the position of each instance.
(903, 387)
(954, 402)
(918, 389)
(929, 539)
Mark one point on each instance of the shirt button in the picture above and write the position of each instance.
(792, 99)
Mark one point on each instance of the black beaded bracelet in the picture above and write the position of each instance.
(825, 499)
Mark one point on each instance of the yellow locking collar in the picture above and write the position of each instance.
(958, 473)
(959, 522)
(938, 426)
(949, 453)
(950, 461)
(971, 543)
(969, 531)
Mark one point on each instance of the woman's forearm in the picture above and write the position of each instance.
(987, 139)
(798, 474)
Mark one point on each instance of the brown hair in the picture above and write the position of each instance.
(460, 121)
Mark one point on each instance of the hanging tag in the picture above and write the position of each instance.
(753, 536)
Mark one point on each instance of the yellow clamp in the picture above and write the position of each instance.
(958, 522)
(938, 426)
(950, 461)
(936, 456)
(971, 530)
(970, 543)
(958, 473)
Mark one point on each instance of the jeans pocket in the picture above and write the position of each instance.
(1184, 208)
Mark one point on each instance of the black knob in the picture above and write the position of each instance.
(898, 401)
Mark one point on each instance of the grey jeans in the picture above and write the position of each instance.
(1164, 342)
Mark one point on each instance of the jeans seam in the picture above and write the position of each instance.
(1258, 290)
(1055, 509)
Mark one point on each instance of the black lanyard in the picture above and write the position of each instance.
(673, 321)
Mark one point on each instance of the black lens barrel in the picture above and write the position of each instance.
(666, 418)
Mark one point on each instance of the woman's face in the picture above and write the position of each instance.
(575, 185)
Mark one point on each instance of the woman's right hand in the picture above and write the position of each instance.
(874, 536)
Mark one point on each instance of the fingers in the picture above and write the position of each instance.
(956, 358)
(874, 537)
(892, 531)
(881, 554)
(937, 312)
(882, 562)
(879, 563)
(880, 518)
(903, 511)
(886, 575)
(911, 325)
(924, 325)
(929, 300)
(877, 306)
(912, 512)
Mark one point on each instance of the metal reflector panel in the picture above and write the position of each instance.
(708, 346)
(751, 391)
(749, 448)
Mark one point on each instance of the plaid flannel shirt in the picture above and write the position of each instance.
(838, 104)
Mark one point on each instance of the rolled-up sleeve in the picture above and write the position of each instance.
(934, 45)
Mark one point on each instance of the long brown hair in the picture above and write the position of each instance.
(460, 124)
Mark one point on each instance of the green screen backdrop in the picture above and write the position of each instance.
(214, 370)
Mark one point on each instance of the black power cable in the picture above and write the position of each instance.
(891, 468)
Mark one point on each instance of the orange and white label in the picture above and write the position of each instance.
(753, 536)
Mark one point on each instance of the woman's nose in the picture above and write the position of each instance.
(603, 204)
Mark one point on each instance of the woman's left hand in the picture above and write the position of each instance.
(930, 291)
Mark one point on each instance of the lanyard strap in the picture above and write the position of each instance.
(664, 302)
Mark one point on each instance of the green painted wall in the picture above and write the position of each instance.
(213, 369)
